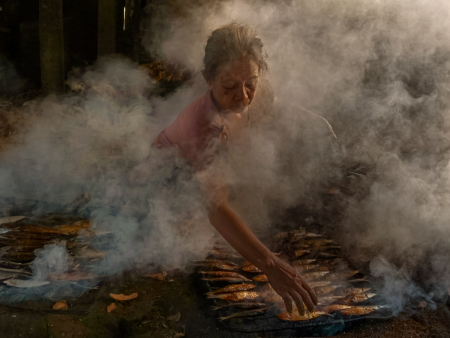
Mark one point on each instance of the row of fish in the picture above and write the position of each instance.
(315, 258)
(20, 239)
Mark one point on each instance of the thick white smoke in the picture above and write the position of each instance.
(378, 71)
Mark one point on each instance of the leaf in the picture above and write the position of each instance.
(111, 307)
(175, 318)
(61, 305)
(123, 297)
(159, 276)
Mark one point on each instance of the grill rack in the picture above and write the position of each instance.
(272, 326)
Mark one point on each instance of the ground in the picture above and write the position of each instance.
(149, 316)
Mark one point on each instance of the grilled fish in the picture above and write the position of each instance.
(342, 275)
(319, 283)
(303, 268)
(243, 306)
(359, 297)
(316, 242)
(252, 269)
(314, 275)
(360, 310)
(246, 313)
(260, 278)
(227, 279)
(353, 291)
(323, 290)
(327, 255)
(223, 267)
(224, 274)
(336, 307)
(236, 296)
(300, 262)
(218, 261)
(296, 316)
(223, 255)
(299, 253)
(332, 262)
(233, 288)
(329, 299)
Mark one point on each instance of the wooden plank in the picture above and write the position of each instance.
(51, 38)
(107, 21)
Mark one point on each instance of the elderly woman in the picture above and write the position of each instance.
(234, 69)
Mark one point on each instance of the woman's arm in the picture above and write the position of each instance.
(284, 278)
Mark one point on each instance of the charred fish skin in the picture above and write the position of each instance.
(246, 313)
(236, 296)
(233, 288)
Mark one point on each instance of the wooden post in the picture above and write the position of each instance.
(51, 45)
(107, 21)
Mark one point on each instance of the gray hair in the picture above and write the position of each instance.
(229, 43)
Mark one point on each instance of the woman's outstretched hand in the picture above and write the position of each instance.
(288, 283)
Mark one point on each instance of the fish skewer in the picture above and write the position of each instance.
(246, 313)
(352, 291)
(342, 275)
(314, 275)
(323, 290)
(299, 253)
(300, 262)
(223, 255)
(359, 297)
(336, 307)
(223, 274)
(236, 296)
(233, 288)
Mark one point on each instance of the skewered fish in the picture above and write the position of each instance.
(342, 275)
(300, 262)
(236, 296)
(353, 291)
(303, 268)
(243, 306)
(245, 313)
(319, 283)
(223, 255)
(227, 279)
(327, 255)
(323, 290)
(329, 299)
(359, 297)
(260, 278)
(316, 242)
(233, 288)
(336, 307)
(221, 266)
(252, 269)
(314, 275)
(360, 310)
(299, 253)
(223, 274)
(296, 316)
(218, 261)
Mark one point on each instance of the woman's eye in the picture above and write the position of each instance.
(229, 86)
(251, 85)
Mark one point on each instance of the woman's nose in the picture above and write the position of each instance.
(242, 95)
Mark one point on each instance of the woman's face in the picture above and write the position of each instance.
(235, 84)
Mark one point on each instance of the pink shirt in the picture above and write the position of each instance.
(192, 129)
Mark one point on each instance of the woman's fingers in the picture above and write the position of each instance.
(310, 291)
(299, 302)
(305, 296)
(288, 303)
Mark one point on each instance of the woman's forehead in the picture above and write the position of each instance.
(240, 70)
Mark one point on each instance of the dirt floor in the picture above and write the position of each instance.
(171, 309)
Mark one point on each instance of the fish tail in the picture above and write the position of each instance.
(224, 318)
